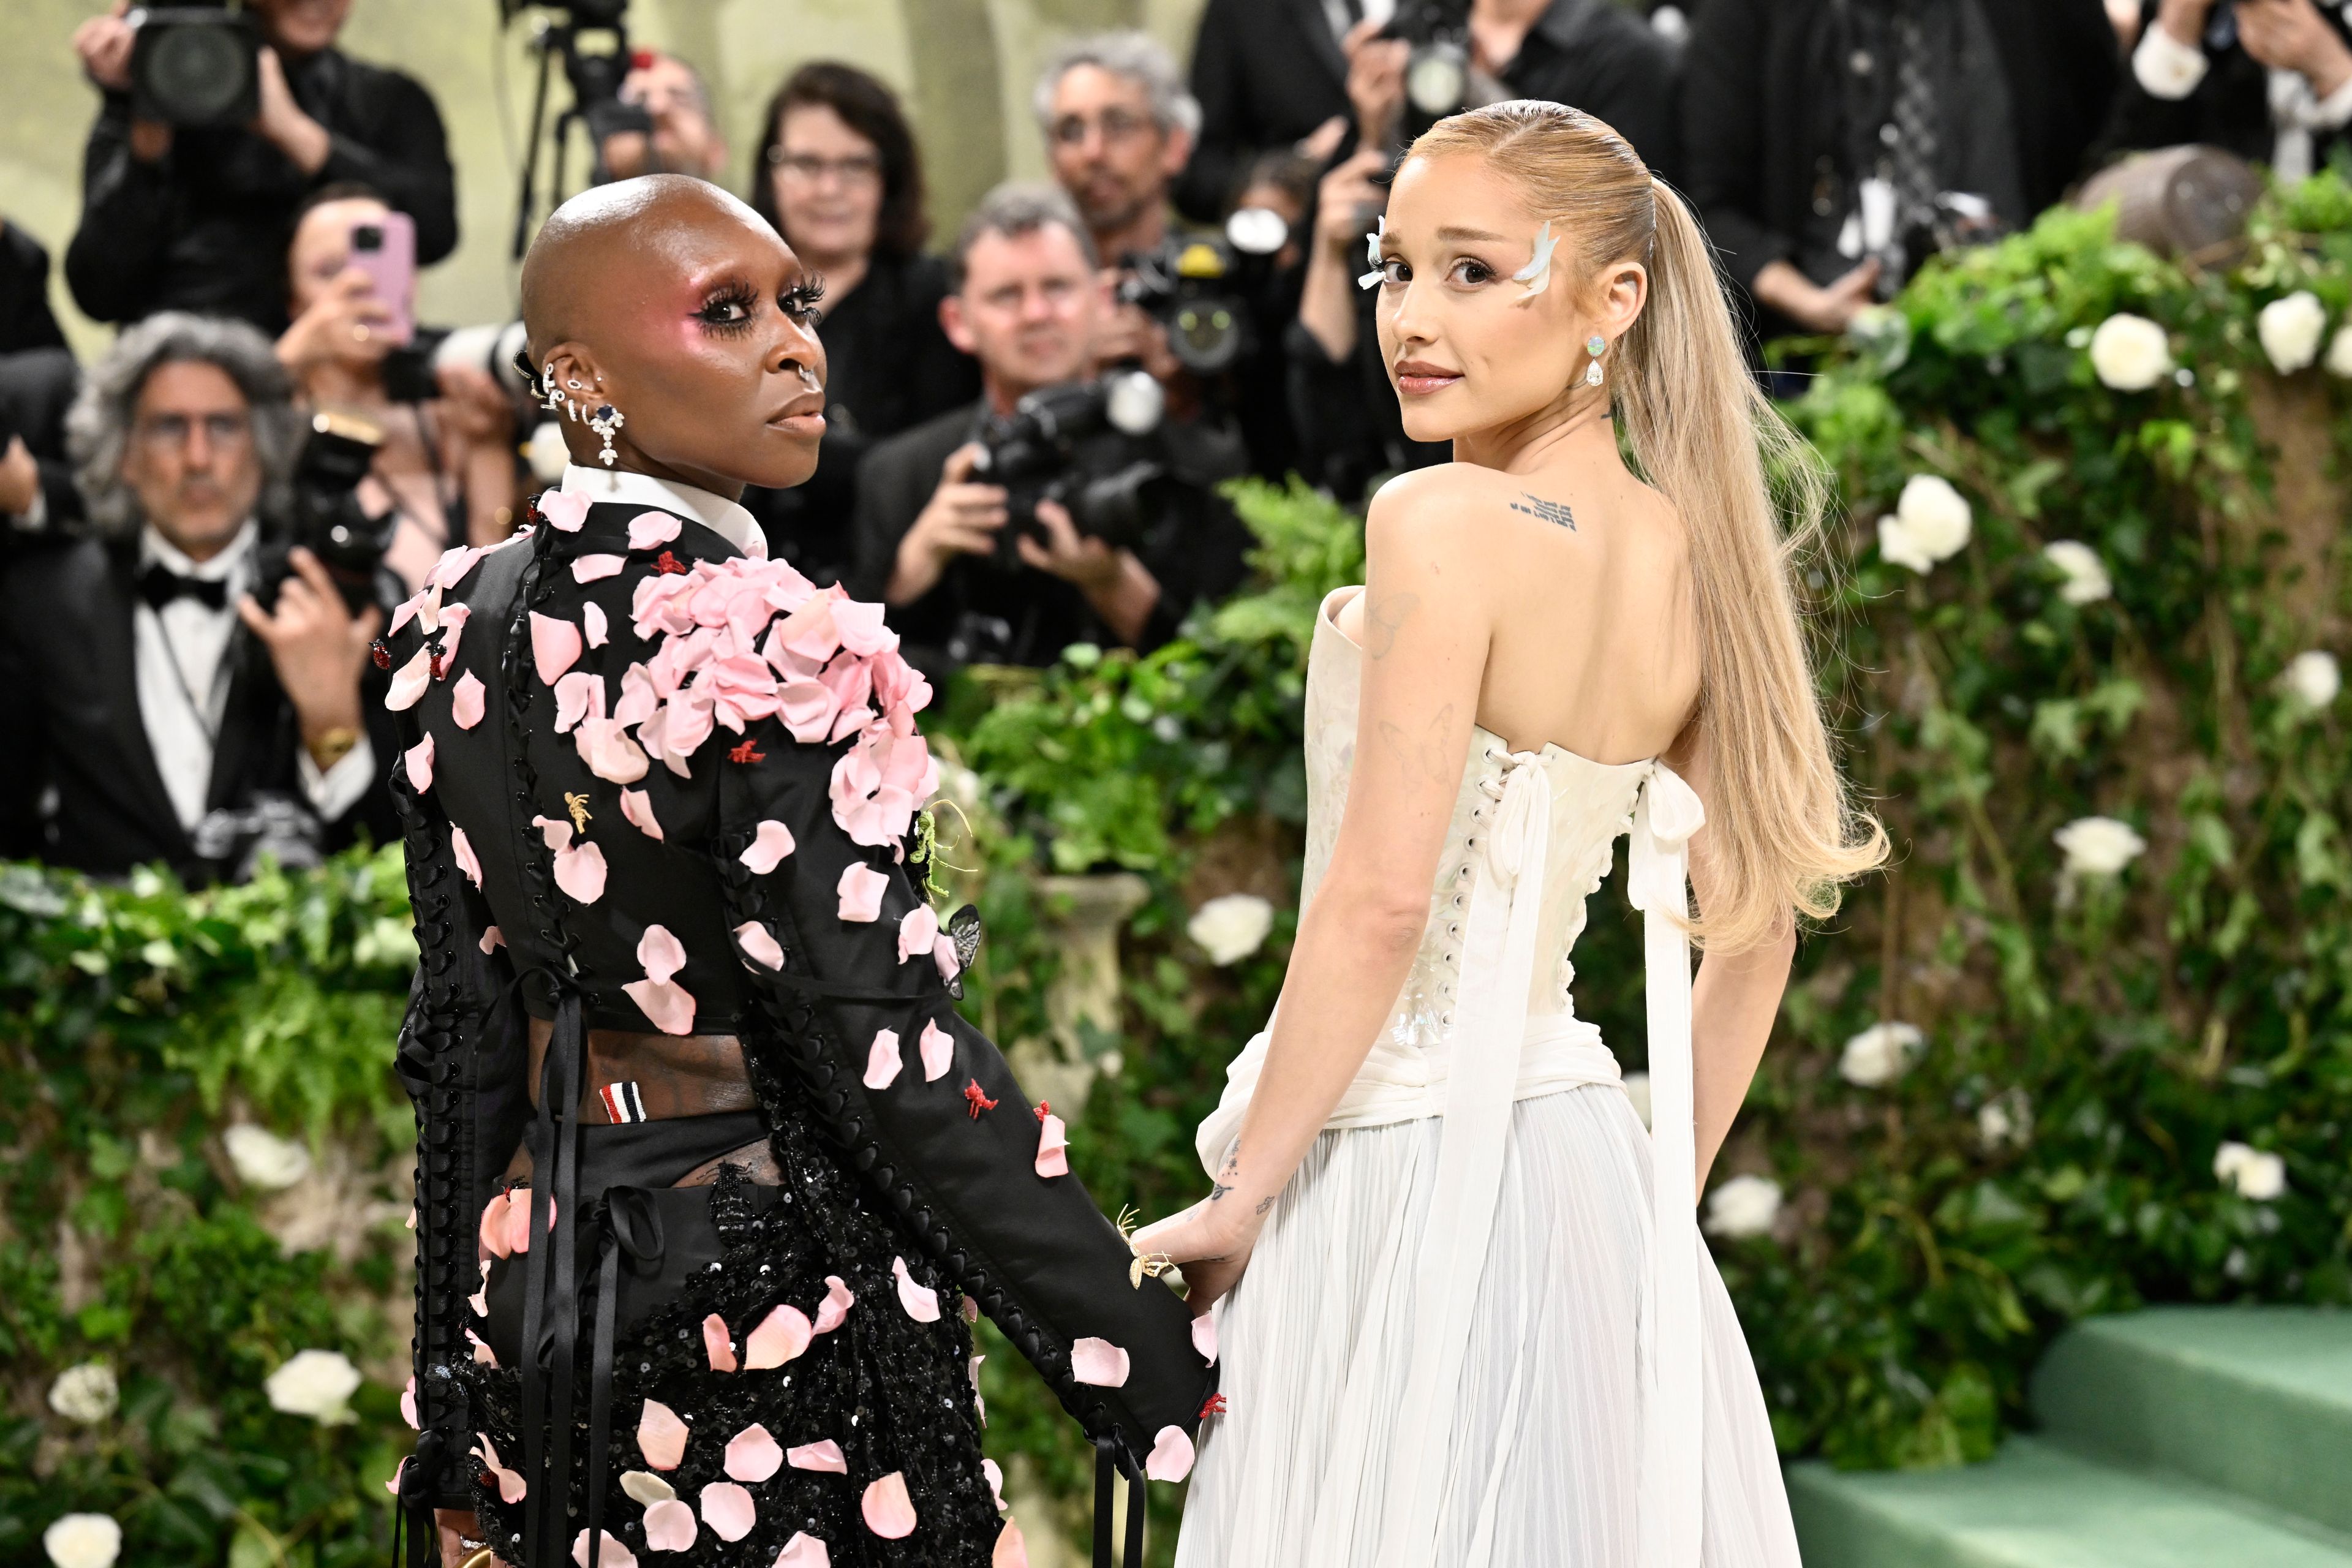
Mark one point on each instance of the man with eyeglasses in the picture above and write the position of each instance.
(174, 688)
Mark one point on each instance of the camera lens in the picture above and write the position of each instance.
(198, 73)
(367, 236)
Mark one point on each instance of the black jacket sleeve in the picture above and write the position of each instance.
(405, 157)
(1723, 99)
(1221, 87)
(115, 261)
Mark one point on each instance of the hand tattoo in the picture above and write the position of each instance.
(1549, 511)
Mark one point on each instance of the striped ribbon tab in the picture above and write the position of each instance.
(622, 1101)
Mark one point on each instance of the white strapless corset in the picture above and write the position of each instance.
(1484, 1019)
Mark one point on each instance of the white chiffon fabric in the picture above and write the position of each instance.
(1471, 1351)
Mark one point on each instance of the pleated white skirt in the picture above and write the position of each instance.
(1544, 1454)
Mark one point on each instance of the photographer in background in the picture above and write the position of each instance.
(1030, 304)
(685, 138)
(194, 217)
(1269, 77)
(447, 462)
(38, 381)
(2270, 80)
(175, 689)
(841, 178)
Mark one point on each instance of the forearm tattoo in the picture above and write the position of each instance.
(1549, 511)
(1229, 1170)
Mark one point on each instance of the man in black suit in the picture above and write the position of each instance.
(2269, 80)
(38, 380)
(1032, 308)
(1267, 74)
(156, 709)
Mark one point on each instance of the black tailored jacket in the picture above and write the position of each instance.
(1265, 72)
(69, 705)
(205, 228)
(951, 1158)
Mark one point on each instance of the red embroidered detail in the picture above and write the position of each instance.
(745, 753)
(440, 667)
(381, 654)
(1045, 1109)
(668, 565)
(976, 1100)
(1214, 1406)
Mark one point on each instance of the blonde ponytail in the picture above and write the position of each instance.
(1781, 832)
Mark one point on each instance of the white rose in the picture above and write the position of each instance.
(265, 1160)
(1879, 1054)
(2087, 581)
(317, 1384)
(2313, 676)
(1930, 523)
(2099, 846)
(2129, 353)
(85, 1394)
(2339, 352)
(2255, 1172)
(2005, 1120)
(1637, 1089)
(545, 453)
(83, 1541)
(1232, 927)
(2290, 330)
(1744, 1206)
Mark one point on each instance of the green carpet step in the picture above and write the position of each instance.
(2037, 1505)
(2255, 1401)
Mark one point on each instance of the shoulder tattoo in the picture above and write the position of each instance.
(1549, 511)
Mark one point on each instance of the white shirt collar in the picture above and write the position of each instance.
(153, 548)
(722, 516)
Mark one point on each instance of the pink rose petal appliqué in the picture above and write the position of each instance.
(659, 953)
(944, 954)
(769, 846)
(937, 1049)
(861, 890)
(752, 1455)
(580, 871)
(661, 1436)
(1097, 1362)
(512, 1486)
(418, 760)
(491, 937)
(483, 1354)
(1011, 1551)
(669, 1006)
(890, 1512)
(917, 931)
(612, 1551)
(882, 1061)
(408, 1405)
(670, 1527)
(922, 1302)
(803, 1551)
(1204, 1337)
(648, 528)
(782, 1336)
(554, 646)
(461, 849)
(565, 510)
(590, 568)
(1170, 1458)
(835, 1309)
(1052, 1145)
(995, 1474)
(638, 810)
(466, 701)
(717, 1344)
(759, 945)
(398, 1470)
(728, 1511)
(408, 682)
(577, 695)
(822, 1455)
(592, 623)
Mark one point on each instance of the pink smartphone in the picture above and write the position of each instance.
(386, 249)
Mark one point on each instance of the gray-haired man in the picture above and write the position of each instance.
(156, 710)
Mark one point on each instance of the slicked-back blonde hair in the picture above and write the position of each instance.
(1781, 832)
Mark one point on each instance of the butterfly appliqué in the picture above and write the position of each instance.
(964, 929)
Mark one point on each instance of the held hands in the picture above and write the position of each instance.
(347, 324)
(1375, 82)
(317, 646)
(1815, 306)
(1087, 564)
(960, 519)
(1212, 1240)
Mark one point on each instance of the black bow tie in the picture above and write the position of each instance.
(159, 585)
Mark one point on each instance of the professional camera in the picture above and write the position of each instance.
(1437, 73)
(328, 520)
(1201, 287)
(1081, 445)
(194, 65)
(592, 41)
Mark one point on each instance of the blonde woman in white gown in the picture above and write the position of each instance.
(1463, 1309)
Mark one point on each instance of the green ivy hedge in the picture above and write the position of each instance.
(2004, 1094)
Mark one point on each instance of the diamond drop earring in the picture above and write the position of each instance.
(604, 421)
(1596, 345)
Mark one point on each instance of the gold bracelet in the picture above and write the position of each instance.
(333, 745)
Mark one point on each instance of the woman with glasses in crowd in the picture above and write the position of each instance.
(839, 176)
(447, 464)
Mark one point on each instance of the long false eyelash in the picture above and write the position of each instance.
(740, 295)
(802, 300)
